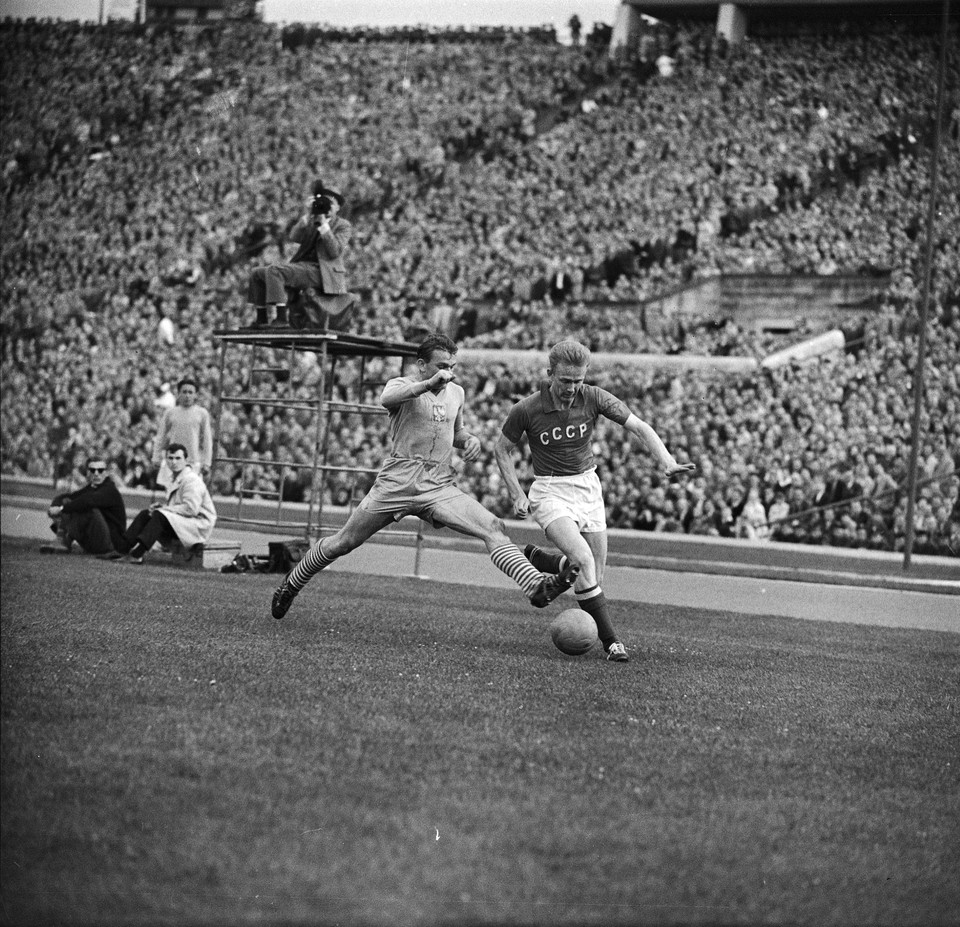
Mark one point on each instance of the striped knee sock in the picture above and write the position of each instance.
(543, 560)
(312, 563)
(594, 603)
(508, 559)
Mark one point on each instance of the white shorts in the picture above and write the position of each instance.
(578, 497)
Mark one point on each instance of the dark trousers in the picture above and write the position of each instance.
(268, 284)
(88, 529)
(148, 528)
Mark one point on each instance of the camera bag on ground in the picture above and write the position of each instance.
(285, 555)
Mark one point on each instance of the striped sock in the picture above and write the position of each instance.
(543, 560)
(508, 559)
(312, 563)
(594, 603)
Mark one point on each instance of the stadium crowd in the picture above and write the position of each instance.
(145, 169)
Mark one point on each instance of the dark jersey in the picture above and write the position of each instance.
(560, 439)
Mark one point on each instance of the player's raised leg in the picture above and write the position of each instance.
(466, 515)
(588, 553)
(359, 527)
(546, 561)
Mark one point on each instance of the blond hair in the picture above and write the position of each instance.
(568, 352)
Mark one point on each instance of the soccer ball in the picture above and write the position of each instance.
(573, 631)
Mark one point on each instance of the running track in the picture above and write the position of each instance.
(744, 595)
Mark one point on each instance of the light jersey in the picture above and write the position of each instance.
(560, 439)
(422, 427)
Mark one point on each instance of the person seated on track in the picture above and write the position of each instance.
(187, 516)
(94, 517)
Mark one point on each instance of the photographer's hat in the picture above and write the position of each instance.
(321, 189)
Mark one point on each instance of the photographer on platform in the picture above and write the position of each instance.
(318, 263)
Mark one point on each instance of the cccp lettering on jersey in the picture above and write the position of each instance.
(570, 433)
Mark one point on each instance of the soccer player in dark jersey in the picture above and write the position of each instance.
(566, 498)
(426, 424)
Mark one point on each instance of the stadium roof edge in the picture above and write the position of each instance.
(670, 9)
(755, 5)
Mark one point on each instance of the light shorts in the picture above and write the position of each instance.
(579, 497)
(410, 487)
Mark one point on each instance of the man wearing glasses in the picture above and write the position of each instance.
(94, 516)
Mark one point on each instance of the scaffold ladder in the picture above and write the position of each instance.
(263, 349)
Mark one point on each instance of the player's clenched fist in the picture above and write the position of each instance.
(471, 448)
(521, 506)
(441, 378)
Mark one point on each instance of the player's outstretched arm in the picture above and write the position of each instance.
(402, 389)
(503, 452)
(651, 440)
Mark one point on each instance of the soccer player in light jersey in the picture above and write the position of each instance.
(566, 498)
(426, 424)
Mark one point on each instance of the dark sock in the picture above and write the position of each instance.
(596, 607)
(138, 550)
(543, 560)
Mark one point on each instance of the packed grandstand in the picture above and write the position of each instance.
(147, 169)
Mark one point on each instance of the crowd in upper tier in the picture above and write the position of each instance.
(520, 191)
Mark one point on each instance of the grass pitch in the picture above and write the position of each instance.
(399, 752)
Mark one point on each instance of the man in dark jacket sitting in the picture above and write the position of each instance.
(94, 516)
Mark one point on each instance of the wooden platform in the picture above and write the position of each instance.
(341, 344)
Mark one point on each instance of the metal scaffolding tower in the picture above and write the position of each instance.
(269, 379)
